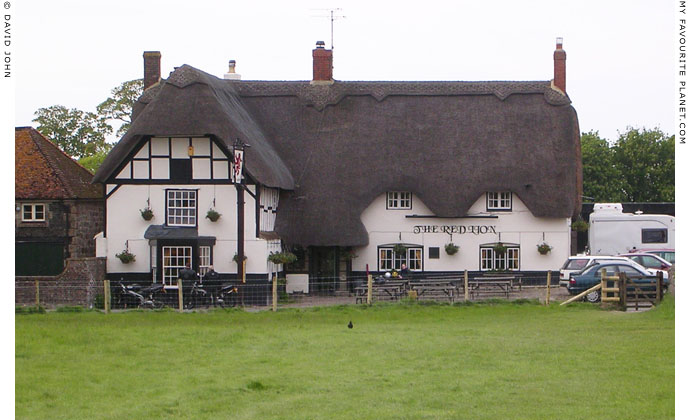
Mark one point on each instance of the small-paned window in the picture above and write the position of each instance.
(181, 208)
(654, 236)
(33, 212)
(204, 259)
(175, 258)
(389, 259)
(434, 253)
(399, 200)
(499, 200)
(489, 259)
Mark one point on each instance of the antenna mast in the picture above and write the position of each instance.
(333, 16)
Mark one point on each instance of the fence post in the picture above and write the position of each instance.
(548, 287)
(659, 286)
(106, 296)
(369, 289)
(180, 299)
(623, 290)
(466, 284)
(38, 294)
(275, 293)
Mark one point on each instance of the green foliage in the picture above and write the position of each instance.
(579, 225)
(646, 159)
(452, 249)
(544, 248)
(500, 249)
(70, 309)
(236, 258)
(25, 310)
(400, 249)
(146, 213)
(77, 133)
(99, 301)
(601, 178)
(282, 257)
(93, 162)
(119, 105)
(212, 215)
(126, 257)
(640, 166)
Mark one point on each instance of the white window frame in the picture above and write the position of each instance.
(172, 264)
(33, 213)
(204, 259)
(390, 260)
(399, 200)
(499, 200)
(489, 260)
(181, 215)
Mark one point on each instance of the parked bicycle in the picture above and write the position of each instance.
(198, 295)
(227, 295)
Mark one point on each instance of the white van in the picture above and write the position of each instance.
(579, 263)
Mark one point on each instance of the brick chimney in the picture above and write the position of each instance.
(323, 64)
(559, 66)
(152, 68)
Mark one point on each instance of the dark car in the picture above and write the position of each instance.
(591, 276)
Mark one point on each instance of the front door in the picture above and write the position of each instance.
(323, 269)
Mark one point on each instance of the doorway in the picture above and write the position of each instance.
(324, 269)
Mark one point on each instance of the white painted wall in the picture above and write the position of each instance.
(125, 224)
(517, 226)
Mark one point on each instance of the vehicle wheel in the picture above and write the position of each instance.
(593, 297)
(191, 302)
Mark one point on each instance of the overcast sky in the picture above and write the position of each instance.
(619, 53)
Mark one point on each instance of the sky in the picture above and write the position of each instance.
(619, 53)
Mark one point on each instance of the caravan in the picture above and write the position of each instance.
(612, 232)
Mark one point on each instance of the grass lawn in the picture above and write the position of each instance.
(501, 361)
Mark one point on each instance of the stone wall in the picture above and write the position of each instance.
(85, 221)
(79, 284)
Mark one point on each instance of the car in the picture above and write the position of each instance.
(579, 282)
(578, 263)
(668, 254)
(649, 260)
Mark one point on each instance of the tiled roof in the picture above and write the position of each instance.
(43, 171)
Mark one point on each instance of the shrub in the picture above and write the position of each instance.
(282, 257)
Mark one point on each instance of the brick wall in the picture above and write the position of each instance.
(79, 284)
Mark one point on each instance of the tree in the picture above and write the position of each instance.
(602, 180)
(93, 162)
(646, 159)
(119, 105)
(76, 132)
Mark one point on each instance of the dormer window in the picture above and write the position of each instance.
(399, 200)
(501, 200)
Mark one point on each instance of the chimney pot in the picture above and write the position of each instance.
(152, 68)
(320, 44)
(231, 75)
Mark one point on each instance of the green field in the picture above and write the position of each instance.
(410, 361)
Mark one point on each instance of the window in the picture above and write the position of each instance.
(204, 259)
(390, 260)
(499, 201)
(490, 260)
(33, 212)
(654, 236)
(175, 258)
(434, 253)
(181, 208)
(399, 200)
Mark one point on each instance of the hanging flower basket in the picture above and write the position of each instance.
(146, 214)
(579, 226)
(452, 249)
(544, 248)
(500, 249)
(213, 215)
(282, 257)
(236, 258)
(400, 249)
(126, 257)
(349, 254)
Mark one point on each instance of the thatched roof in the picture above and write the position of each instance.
(333, 149)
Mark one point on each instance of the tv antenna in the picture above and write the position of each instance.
(333, 15)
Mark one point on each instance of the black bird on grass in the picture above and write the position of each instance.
(350, 325)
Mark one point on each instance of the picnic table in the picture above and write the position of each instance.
(491, 285)
(436, 288)
(392, 289)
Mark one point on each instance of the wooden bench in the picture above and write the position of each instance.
(390, 290)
